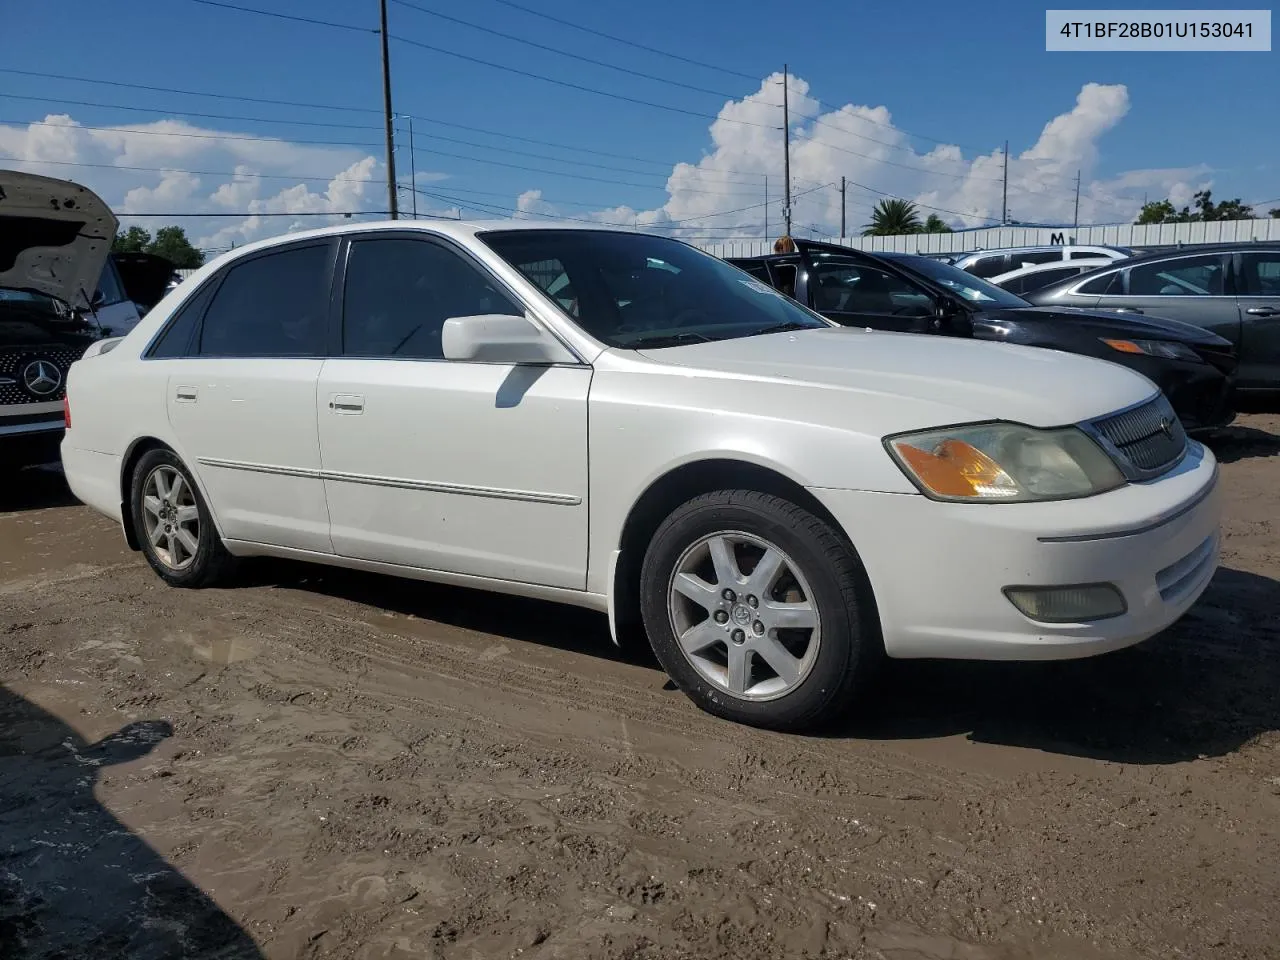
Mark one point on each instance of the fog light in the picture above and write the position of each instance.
(1074, 604)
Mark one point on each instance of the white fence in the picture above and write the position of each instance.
(1121, 235)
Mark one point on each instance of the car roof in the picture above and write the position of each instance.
(456, 229)
(1059, 265)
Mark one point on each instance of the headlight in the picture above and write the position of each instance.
(1169, 349)
(1004, 462)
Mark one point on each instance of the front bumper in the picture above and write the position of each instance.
(938, 569)
(29, 443)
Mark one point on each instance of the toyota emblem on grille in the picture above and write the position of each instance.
(41, 377)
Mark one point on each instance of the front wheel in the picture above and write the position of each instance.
(759, 610)
(173, 523)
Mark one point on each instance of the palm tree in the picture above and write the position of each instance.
(892, 216)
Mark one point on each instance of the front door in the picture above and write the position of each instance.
(242, 397)
(471, 468)
(1258, 298)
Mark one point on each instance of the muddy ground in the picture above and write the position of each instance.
(323, 764)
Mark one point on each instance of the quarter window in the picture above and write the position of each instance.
(175, 339)
(1107, 283)
(400, 291)
(271, 306)
(1183, 277)
(1017, 260)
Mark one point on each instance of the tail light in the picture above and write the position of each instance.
(66, 411)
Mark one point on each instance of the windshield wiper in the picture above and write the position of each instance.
(781, 328)
(667, 340)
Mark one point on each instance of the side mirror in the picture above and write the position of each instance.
(500, 338)
(952, 319)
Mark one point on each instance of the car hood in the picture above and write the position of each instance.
(1134, 324)
(957, 379)
(54, 236)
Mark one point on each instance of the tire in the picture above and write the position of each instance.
(197, 559)
(764, 658)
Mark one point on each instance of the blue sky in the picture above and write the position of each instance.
(916, 77)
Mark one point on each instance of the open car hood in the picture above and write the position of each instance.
(55, 236)
(145, 276)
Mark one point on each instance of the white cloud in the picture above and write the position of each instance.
(721, 193)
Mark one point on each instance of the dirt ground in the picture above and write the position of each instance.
(322, 764)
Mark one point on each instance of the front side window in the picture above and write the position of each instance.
(856, 288)
(1183, 277)
(1261, 274)
(110, 288)
(271, 306)
(399, 292)
(636, 290)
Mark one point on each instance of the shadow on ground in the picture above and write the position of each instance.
(35, 488)
(1204, 687)
(74, 881)
(1242, 443)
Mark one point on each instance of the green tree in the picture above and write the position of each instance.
(1162, 211)
(172, 244)
(1274, 214)
(892, 216)
(133, 240)
(935, 224)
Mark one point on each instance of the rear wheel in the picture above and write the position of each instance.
(759, 610)
(173, 524)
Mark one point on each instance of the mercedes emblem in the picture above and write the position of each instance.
(41, 378)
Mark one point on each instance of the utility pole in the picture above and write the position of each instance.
(842, 208)
(386, 110)
(1004, 212)
(786, 152)
(1075, 223)
(413, 172)
(766, 206)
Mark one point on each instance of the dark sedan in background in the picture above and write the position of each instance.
(913, 294)
(1230, 289)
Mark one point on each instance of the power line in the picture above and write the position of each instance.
(317, 213)
(195, 136)
(927, 206)
(286, 16)
(623, 40)
(191, 113)
(562, 53)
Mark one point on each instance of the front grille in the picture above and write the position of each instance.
(1149, 438)
(14, 363)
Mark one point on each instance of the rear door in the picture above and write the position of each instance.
(1258, 299)
(861, 295)
(242, 399)
(1192, 288)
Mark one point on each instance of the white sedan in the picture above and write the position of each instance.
(623, 422)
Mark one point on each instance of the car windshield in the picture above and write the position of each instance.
(636, 290)
(974, 289)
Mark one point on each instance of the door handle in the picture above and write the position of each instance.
(347, 403)
(186, 394)
(1127, 310)
(1262, 311)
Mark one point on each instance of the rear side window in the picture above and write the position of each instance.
(989, 266)
(757, 270)
(1085, 255)
(275, 305)
(1183, 277)
(1261, 274)
(400, 291)
(1107, 283)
